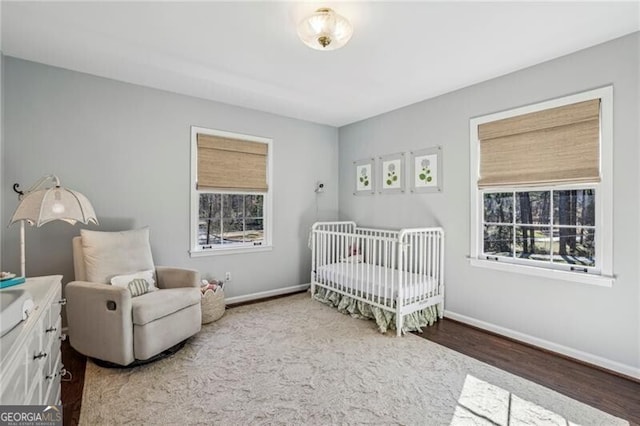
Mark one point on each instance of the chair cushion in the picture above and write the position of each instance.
(152, 306)
(107, 254)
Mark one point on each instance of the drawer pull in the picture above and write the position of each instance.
(50, 329)
(65, 375)
(40, 355)
(62, 301)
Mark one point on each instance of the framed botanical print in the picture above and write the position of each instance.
(364, 177)
(426, 170)
(392, 173)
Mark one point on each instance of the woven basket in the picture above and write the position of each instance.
(212, 305)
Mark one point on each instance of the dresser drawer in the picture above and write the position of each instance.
(52, 336)
(50, 316)
(14, 387)
(54, 365)
(34, 396)
(36, 356)
(21, 374)
(52, 376)
(31, 361)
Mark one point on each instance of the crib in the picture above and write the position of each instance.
(390, 271)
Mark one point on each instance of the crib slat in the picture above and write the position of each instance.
(419, 266)
(339, 259)
(408, 295)
(367, 253)
(434, 264)
(436, 250)
(376, 276)
(390, 297)
(323, 246)
(430, 273)
(424, 265)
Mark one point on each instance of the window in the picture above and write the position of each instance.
(541, 189)
(230, 220)
(231, 196)
(547, 227)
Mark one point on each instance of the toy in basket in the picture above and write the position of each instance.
(212, 301)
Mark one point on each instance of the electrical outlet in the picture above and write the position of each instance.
(227, 276)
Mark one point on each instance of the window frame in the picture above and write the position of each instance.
(267, 209)
(602, 273)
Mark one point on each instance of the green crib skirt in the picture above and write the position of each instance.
(386, 320)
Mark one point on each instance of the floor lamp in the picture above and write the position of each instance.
(41, 204)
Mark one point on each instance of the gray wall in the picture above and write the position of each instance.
(599, 321)
(1, 135)
(127, 148)
(1, 123)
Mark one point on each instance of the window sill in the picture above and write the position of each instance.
(226, 251)
(556, 274)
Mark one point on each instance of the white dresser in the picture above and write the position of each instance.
(30, 357)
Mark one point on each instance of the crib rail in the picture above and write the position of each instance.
(400, 271)
(344, 226)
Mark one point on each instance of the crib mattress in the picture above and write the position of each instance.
(345, 277)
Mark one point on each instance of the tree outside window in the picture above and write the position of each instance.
(230, 219)
(555, 226)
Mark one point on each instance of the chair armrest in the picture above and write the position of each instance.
(100, 321)
(169, 277)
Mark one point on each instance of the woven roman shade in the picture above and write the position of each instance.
(231, 164)
(556, 145)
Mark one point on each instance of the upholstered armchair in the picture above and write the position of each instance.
(114, 311)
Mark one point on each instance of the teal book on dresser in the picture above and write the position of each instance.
(11, 281)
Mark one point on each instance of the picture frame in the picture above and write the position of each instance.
(426, 170)
(364, 176)
(392, 174)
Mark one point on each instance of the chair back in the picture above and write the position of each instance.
(99, 256)
(78, 260)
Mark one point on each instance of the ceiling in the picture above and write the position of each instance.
(248, 53)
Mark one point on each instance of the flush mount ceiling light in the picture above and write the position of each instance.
(325, 30)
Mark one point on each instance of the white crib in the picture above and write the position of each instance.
(397, 271)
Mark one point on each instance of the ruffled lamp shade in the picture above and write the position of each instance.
(39, 206)
(57, 203)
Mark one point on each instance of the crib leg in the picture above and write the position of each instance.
(441, 310)
(398, 325)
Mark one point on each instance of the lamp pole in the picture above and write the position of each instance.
(22, 250)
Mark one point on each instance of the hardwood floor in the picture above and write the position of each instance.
(72, 390)
(608, 392)
(604, 390)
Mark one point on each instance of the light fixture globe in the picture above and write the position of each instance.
(325, 30)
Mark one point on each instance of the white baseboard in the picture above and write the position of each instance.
(265, 294)
(545, 344)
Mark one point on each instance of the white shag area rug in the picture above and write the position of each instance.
(296, 361)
